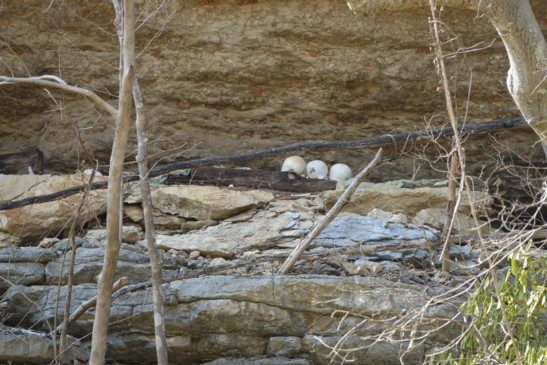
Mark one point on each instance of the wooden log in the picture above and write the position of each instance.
(19, 162)
(256, 179)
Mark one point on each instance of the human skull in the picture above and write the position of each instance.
(90, 171)
(340, 172)
(317, 169)
(294, 164)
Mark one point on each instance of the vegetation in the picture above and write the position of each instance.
(485, 340)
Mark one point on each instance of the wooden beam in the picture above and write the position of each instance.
(256, 179)
(19, 162)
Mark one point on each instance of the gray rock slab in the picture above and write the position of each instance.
(284, 346)
(26, 254)
(24, 273)
(24, 346)
(22, 304)
(352, 229)
(460, 252)
(362, 350)
(258, 361)
(309, 293)
(132, 262)
(265, 230)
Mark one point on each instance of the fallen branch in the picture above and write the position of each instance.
(365, 143)
(371, 142)
(90, 303)
(54, 82)
(333, 212)
(285, 181)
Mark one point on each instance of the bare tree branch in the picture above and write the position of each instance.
(460, 153)
(90, 303)
(333, 212)
(54, 82)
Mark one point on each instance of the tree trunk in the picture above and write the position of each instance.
(450, 210)
(150, 230)
(114, 192)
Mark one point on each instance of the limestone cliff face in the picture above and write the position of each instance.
(234, 75)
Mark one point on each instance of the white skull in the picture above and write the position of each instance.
(317, 169)
(294, 164)
(90, 171)
(340, 172)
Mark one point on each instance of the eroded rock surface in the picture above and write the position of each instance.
(241, 310)
(230, 76)
(400, 199)
(216, 317)
(202, 202)
(48, 218)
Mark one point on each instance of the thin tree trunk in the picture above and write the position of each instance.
(70, 276)
(114, 192)
(149, 226)
(150, 230)
(456, 145)
(461, 158)
(450, 210)
(332, 213)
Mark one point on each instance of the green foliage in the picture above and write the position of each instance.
(485, 341)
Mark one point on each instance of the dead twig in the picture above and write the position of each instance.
(54, 82)
(68, 296)
(90, 303)
(333, 212)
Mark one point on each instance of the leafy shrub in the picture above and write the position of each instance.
(485, 340)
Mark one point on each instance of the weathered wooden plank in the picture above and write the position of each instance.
(19, 162)
(256, 179)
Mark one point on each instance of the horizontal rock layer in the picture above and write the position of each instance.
(249, 315)
(225, 316)
(229, 76)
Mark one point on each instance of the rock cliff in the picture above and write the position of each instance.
(227, 76)
(368, 272)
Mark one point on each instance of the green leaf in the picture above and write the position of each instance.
(514, 267)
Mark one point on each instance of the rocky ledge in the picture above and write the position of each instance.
(225, 302)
